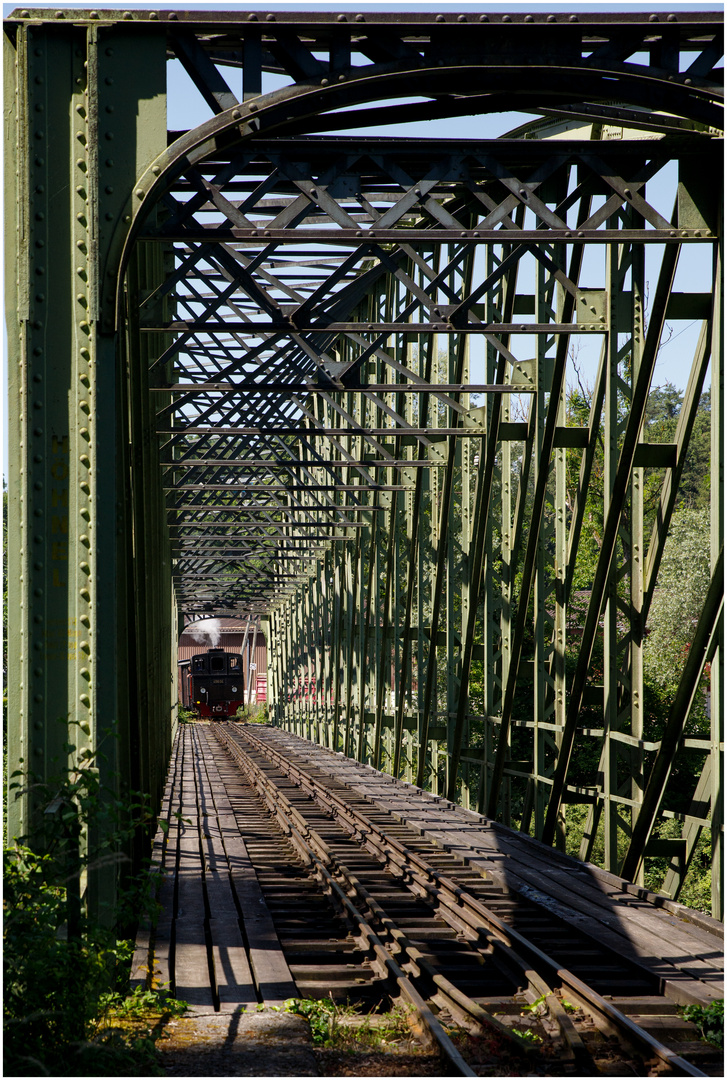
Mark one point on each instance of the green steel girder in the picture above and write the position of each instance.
(268, 347)
(76, 140)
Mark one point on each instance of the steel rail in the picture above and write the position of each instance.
(300, 834)
(464, 1009)
(458, 1003)
(473, 912)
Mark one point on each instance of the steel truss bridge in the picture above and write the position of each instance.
(260, 369)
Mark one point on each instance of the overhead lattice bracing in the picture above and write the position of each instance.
(328, 381)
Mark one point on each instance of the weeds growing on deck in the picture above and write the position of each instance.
(343, 1027)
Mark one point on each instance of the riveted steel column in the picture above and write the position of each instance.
(544, 312)
(326, 643)
(312, 662)
(635, 657)
(717, 546)
(610, 628)
(336, 628)
(71, 91)
(276, 665)
(316, 645)
(291, 678)
(150, 567)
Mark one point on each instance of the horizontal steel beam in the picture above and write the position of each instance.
(276, 329)
(404, 22)
(312, 463)
(285, 487)
(326, 432)
(406, 235)
(337, 387)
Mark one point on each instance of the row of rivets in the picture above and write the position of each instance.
(25, 628)
(359, 18)
(34, 391)
(85, 405)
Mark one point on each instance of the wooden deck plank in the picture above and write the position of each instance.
(139, 977)
(233, 976)
(272, 974)
(161, 975)
(191, 958)
(191, 962)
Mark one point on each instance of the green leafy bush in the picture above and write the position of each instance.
(142, 1003)
(709, 1019)
(53, 982)
(684, 578)
(66, 974)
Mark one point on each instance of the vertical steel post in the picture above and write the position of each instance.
(85, 115)
(717, 546)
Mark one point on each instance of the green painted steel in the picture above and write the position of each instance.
(260, 371)
(85, 113)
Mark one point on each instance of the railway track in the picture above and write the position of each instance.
(353, 904)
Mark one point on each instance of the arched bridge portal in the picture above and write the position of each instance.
(388, 391)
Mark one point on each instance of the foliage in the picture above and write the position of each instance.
(709, 1019)
(682, 586)
(662, 415)
(527, 1035)
(142, 1003)
(696, 891)
(318, 1012)
(57, 985)
(660, 425)
(49, 982)
(186, 716)
(253, 714)
(578, 407)
(65, 973)
(341, 1027)
(82, 820)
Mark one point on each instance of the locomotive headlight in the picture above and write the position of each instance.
(202, 690)
(234, 689)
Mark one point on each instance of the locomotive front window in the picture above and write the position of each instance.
(217, 663)
(234, 663)
(200, 663)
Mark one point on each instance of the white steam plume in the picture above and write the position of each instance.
(207, 630)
